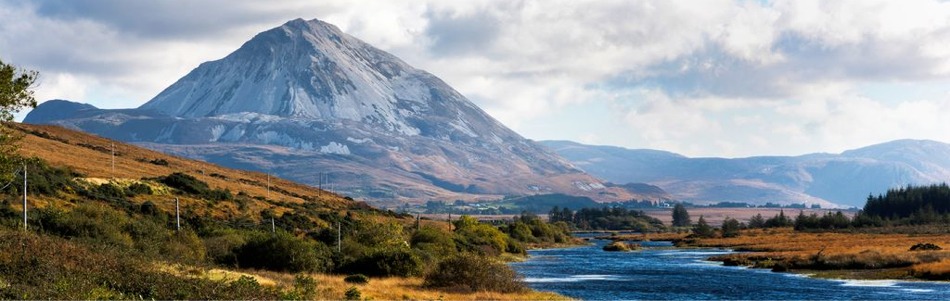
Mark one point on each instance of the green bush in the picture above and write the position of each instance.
(282, 251)
(185, 183)
(43, 179)
(352, 293)
(305, 288)
(90, 222)
(190, 185)
(356, 279)
(471, 273)
(140, 189)
(57, 268)
(433, 243)
(222, 248)
(477, 237)
(387, 262)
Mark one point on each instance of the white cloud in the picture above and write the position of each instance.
(699, 77)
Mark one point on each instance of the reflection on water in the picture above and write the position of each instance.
(661, 272)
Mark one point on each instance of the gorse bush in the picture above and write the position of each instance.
(190, 185)
(471, 273)
(43, 179)
(433, 242)
(356, 279)
(90, 222)
(46, 267)
(387, 262)
(282, 251)
(484, 239)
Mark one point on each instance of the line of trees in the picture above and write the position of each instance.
(605, 219)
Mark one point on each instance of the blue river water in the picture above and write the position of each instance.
(663, 273)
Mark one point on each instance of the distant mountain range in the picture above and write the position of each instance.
(843, 179)
(310, 103)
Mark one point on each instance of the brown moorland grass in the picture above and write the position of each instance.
(785, 249)
(666, 236)
(332, 287)
(61, 147)
(91, 156)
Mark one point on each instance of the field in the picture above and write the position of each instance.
(715, 216)
(841, 254)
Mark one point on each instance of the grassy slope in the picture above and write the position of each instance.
(91, 156)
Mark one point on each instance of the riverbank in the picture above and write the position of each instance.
(333, 287)
(835, 255)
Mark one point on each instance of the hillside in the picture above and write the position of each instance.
(307, 101)
(843, 179)
(96, 234)
(62, 147)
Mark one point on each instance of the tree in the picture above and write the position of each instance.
(681, 216)
(730, 227)
(15, 95)
(757, 221)
(702, 229)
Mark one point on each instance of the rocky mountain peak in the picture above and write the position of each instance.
(305, 99)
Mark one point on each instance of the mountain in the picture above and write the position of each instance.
(843, 179)
(310, 103)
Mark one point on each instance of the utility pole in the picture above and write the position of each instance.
(113, 161)
(272, 228)
(24, 196)
(177, 216)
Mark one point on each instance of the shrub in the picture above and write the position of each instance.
(184, 246)
(139, 189)
(470, 273)
(620, 246)
(477, 237)
(283, 252)
(352, 293)
(433, 242)
(56, 268)
(222, 248)
(730, 227)
(387, 262)
(702, 229)
(184, 182)
(925, 247)
(356, 279)
(87, 221)
(305, 288)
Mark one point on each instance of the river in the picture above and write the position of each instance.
(661, 272)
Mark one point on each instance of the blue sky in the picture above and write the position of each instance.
(700, 78)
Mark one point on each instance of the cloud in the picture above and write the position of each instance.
(716, 77)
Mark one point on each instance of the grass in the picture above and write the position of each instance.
(333, 287)
(837, 254)
(73, 264)
(61, 147)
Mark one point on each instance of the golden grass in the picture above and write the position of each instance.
(91, 156)
(646, 236)
(832, 250)
(62, 147)
(332, 287)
